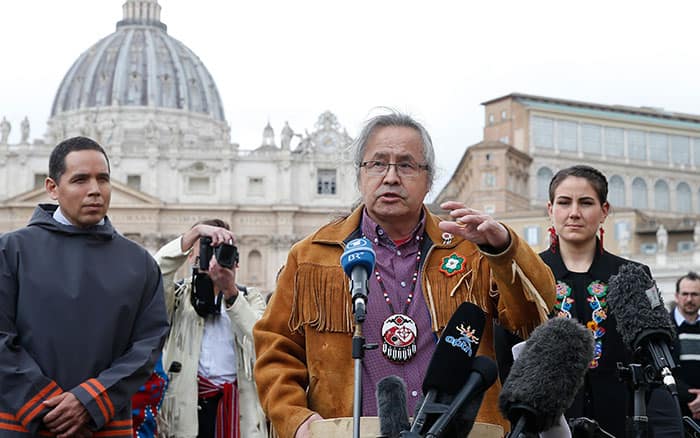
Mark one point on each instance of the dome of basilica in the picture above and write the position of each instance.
(139, 65)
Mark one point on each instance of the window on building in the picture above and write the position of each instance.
(647, 248)
(591, 139)
(39, 180)
(696, 151)
(658, 147)
(532, 235)
(134, 181)
(616, 191)
(488, 157)
(491, 119)
(614, 142)
(326, 182)
(543, 132)
(199, 184)
(622, 230)
(505, 139)
(544, 175)
(640, 195)
(256, 186)
(637, 144)
(567, 136)
(488, 180)
(489, 209)
(255, 268)
(504, 115)
(680, 149)
(684, 198)
(686, 246)
(662, 198)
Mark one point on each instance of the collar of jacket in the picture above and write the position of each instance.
(602, 266)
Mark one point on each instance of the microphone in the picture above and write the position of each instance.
(358, 261)
(545, 378)
(483, 374)
(449, 369)
(642, 321)
(391, 407)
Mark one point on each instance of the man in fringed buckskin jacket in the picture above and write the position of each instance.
(425, 269)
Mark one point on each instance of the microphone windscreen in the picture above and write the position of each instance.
(391, 406)
(545, 378)
(637, 306)
(358, 252)
(452, 359)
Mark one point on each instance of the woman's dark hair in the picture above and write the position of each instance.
(591, 174)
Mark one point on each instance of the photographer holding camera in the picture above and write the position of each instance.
(209, 354)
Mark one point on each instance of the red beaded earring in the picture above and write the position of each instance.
(553, 239)
(601, 231)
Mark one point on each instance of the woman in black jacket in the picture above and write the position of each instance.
(578, 208)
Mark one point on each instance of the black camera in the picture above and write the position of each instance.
(226, 254)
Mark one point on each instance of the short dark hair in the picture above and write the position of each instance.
(57, 160)
(591, 174)
(691, 275)
(214, 223)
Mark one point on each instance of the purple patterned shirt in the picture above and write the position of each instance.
(396, 266)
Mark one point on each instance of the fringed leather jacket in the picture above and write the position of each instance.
(303, 341)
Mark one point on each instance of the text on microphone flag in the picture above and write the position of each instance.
(358, 252)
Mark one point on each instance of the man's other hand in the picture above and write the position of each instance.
(695, 404)
(218, 236)
(475, 226)
(304, 430)
(224, 279)
(67, 417)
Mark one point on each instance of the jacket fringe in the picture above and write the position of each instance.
(246, 350)
(533, 296)
(315, 304)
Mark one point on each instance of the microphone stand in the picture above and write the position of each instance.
(359, 309)
(636, 379)
(692, 429)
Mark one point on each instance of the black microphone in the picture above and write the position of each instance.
(358, 261)
(449, 368)
(642, 320)
(391, 407)
(545, 378)
(583, 427)
(482, 375)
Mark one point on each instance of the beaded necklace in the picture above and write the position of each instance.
(399, 331)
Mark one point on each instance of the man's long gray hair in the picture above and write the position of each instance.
(395, 118)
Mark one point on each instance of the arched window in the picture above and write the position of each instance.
(639, 194)
(544, 176)
(662, 198)
(684, 201)
(616, 192)
(255, 268)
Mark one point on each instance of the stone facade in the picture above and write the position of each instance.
(151, 103)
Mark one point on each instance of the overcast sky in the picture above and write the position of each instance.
(291, 60)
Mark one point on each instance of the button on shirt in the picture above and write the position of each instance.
(396, 266)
